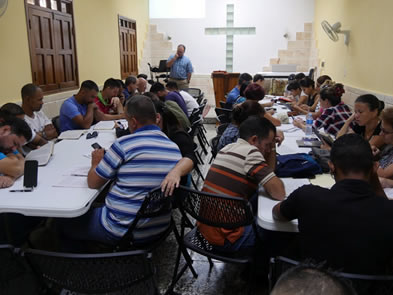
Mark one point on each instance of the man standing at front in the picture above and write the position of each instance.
(136, 163)
(181, 68)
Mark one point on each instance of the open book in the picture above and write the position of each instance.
(43, 154)
(71, 134)
(104, 125)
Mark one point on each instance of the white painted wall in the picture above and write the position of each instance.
(272, 19)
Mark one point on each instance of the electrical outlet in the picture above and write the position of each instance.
(322, 64)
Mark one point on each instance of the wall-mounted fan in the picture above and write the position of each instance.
(333, 30)
(3, 6)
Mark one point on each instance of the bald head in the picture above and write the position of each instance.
(141, 85)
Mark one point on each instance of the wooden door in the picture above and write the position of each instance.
(42, 49)
(128, 47)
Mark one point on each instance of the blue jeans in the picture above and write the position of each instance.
(74, 231)
(246, 241)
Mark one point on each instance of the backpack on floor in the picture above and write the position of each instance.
(297, 165)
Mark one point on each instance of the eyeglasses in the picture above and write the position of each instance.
(386, 132)
(91, 135)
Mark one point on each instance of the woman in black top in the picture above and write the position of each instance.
(365, 120)
(310, 102)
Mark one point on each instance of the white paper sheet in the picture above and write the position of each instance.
(72, 181)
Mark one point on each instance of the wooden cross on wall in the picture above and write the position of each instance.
(230, 31)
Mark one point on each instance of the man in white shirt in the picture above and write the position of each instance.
(190, 101)
(32, 101)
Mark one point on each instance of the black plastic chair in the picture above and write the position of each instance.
(196, 93)
(214, 147)
(110, 273)
(223, 115)
(222, 104)
(363, 284)
(56, 123)
(217, 211)
(162, 68)
(13, 269)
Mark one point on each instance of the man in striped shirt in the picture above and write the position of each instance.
(137, 163)
(238, 170)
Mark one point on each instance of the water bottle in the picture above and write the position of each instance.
(309, 121)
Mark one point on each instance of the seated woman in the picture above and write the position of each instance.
(365, 120)
(385, 170)
(253, 91)
(295, 92)
(241, 98)
(309, 103)
(335, 112)
(239, 114)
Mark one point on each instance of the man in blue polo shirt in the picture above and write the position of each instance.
(136, 163)
(181, 68)
(235, 92)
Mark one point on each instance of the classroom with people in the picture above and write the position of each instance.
(196, 147)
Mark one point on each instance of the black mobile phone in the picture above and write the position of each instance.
(96, 146)
(30, 174)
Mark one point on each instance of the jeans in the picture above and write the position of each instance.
(73, 231)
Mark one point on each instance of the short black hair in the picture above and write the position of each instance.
(121, 83)
(172, 85)
(89, 85)
(352, 153)
(245, 77)
(157, 87)
(111, 83)
(144, 76)
(12, 109)
(142, 109)
(372, 102)
(181, 45)
(243, 87)
(300, 76)
(258, 77)
(307, 278)
(130, 80)
(18, 126)
(28, 90)
(255, 125)
(307, 82)
(294, 85)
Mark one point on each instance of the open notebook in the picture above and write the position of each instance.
(43, 154)
(71, 134)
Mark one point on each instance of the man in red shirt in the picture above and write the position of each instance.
(107, 100)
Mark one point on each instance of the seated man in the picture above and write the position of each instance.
(141, 85)
(32, 101)
(137, 163)
(13, 110)
(235, 92)
(237, 171)
(259, 79)
(108, 102)
(190, 101)
(350, 226)
(14, 133)
(175, 109)
(80, 111)
(130, 87)
(159, 89)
